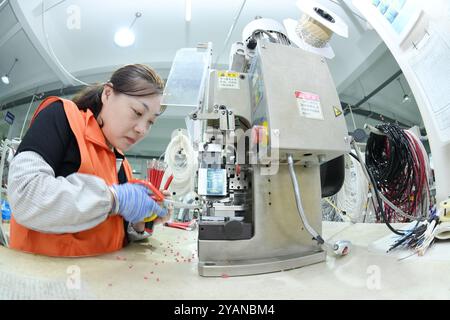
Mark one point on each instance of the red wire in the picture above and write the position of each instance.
(414, 196)
(168, 182)
(159, 178)
(157, 195)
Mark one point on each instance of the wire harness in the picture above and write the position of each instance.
(400, 167)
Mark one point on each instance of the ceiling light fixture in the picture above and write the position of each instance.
(405, 96)
(124, 37)
(5, 78)
(188, 15)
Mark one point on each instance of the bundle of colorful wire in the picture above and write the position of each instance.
(155, 173)
(420, 237)
(399, 164)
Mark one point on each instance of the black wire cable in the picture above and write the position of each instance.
(378, 198)
(391, 160)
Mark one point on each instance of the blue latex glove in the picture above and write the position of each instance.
(134, 202)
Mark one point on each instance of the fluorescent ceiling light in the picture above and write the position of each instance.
(188, 15)
(124, 37)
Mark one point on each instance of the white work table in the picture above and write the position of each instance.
(165, 267)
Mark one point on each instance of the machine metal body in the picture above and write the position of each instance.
(284, 103)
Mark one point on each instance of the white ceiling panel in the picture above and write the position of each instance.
(7, 19)
(29, 72)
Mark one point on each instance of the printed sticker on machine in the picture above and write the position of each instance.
(228, 80)
(309, 105)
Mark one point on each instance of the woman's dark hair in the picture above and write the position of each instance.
(132, 80)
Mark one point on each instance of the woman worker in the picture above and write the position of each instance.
(67, 184)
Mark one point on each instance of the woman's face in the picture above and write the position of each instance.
(127, 119)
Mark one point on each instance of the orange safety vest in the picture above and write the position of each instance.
(96, 159)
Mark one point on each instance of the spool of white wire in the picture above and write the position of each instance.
(323, 18)
(313, 31)
(352, 197)
(182, 163)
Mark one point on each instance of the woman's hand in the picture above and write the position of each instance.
(133, 202)
(167, 195)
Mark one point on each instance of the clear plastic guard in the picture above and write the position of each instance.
(186, 81)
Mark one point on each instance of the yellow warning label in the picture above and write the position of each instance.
(228, 80)
(227, 74)
(337, 112)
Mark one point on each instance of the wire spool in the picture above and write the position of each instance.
(314, 29)
(313, 32)
(352, 203)
(182, 163)
(353, 196)
(325, 17)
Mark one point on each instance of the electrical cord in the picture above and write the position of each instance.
(399, 165)
(339, 248)
(298, 201)
(375, 190)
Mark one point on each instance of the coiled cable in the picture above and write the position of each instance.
(182, 163)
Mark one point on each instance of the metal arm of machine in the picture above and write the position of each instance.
(221, 113)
